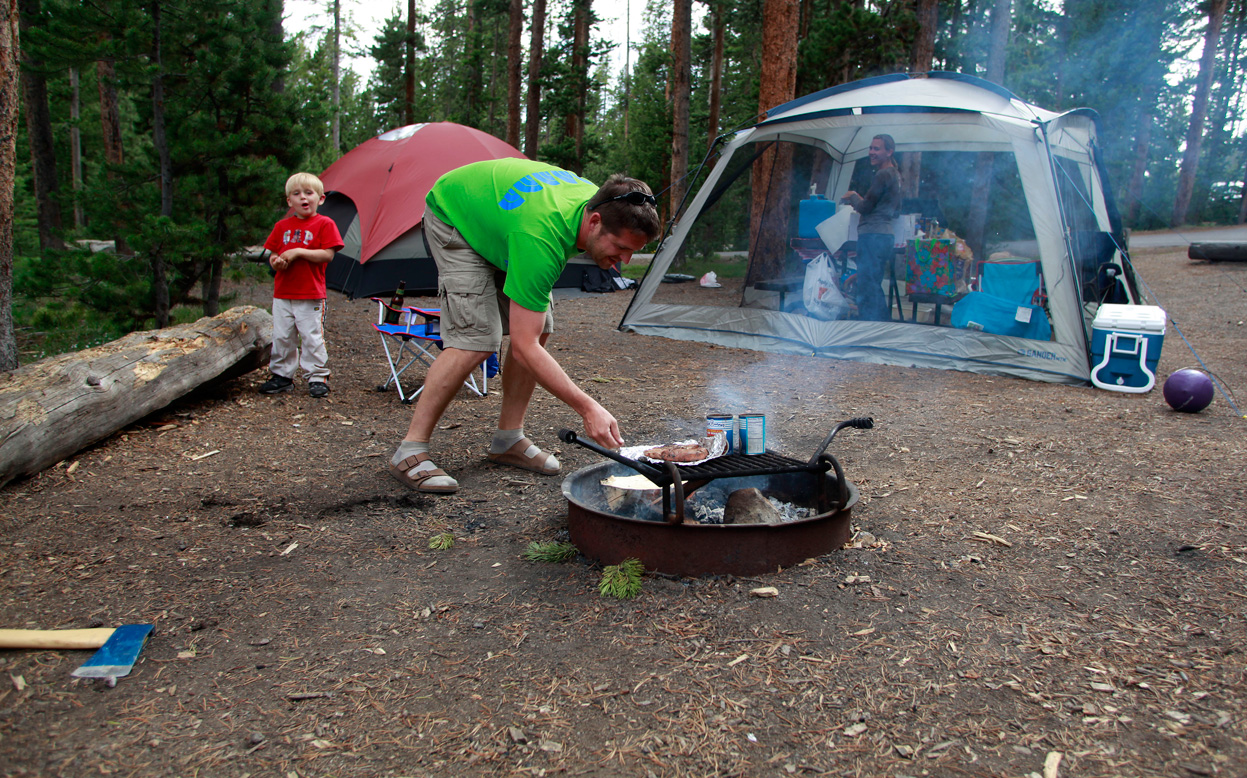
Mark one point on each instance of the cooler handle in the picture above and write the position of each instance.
(1110, 347)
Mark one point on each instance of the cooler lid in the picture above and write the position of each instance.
(1137, 318)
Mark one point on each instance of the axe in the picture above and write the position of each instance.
(118, 648)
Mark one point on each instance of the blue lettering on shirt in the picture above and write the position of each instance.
(527, 184)
(535, 182)
(511, 200)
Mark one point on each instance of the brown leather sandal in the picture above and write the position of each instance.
(403, 472)
(517, 456)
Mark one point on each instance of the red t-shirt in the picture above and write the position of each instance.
(303, 280)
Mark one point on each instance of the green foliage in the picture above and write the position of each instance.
(442, 541)
(622, 581)
(853, 42)
(550, 551)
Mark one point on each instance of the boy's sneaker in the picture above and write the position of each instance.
(276, 385)
(317, 388)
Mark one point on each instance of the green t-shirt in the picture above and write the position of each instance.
(522, 216)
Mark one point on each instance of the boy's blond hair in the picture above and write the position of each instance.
(300, 180)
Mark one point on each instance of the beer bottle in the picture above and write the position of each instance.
(394, 312)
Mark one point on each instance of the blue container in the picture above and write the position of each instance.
(811, 213)
(1125, 347)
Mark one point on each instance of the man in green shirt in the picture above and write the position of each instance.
(501, 232)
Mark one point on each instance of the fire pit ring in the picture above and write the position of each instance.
(690, 549)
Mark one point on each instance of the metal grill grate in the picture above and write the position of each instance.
(742, 465)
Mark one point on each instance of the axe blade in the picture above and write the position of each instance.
(116, 657)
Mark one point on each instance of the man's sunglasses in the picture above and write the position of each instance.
(634, 197)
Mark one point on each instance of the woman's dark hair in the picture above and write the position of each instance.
(619, 215)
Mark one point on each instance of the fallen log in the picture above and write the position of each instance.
(1213, 252)
(62, 404)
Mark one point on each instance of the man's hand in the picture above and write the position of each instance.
(602, 427)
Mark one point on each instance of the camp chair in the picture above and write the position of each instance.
(409, 341)
(1015, 279)
(1008, 299)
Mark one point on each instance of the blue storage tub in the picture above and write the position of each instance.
(1125, 347)
(811, 213)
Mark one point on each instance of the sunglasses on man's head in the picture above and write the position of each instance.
(634, 197)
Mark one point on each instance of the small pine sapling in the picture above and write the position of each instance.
(551, 551)
(622, 581)
(442, 541)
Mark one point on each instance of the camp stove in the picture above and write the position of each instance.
(671, 544)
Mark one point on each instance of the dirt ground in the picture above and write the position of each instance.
(1047, 580)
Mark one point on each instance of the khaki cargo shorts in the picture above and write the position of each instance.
(475, 312)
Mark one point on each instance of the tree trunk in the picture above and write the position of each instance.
(681, 76)
(772, 173)
(627, 71)
(1138, 173)
(276, 34)
(1199, 111)
(575, 121)
(409, 74)
(110, 126)
(1226, 92)
(110, 113)
(39, 130)
(57, 406)
(532, 124)
(473, 54)
(716, 74)
(976, 228)
(1152, 14)
(9, 77)
(928, 13)
(514, 67)
(211, 282)
(160, 280)
(75, 146)
(336, 132)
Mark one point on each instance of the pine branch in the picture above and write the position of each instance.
(442, 541)
(551, 551)
(622, 581)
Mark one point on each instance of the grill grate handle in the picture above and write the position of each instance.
(864, 423)
(652, 473)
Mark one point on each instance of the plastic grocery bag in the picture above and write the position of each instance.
(822, 296)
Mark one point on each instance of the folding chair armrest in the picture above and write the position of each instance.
(384, 305)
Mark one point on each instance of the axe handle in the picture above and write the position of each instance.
(54, 638)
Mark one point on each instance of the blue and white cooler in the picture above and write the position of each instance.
(1125, 347)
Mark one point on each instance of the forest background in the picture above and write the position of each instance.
(169, 127)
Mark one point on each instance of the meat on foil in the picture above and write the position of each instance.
(678, 452)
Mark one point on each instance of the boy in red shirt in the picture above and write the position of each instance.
(300, 245)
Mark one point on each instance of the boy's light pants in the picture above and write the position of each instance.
(295, 321)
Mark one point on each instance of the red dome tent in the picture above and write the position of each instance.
(375, 193)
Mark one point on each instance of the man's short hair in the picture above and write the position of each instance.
(300, 180)
(620, 216)
(889, 145)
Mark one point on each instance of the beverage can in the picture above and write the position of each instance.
(720, 424)
(753, 433)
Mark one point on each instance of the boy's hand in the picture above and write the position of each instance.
(278, 262)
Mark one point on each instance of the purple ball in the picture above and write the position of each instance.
(1188, 390)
